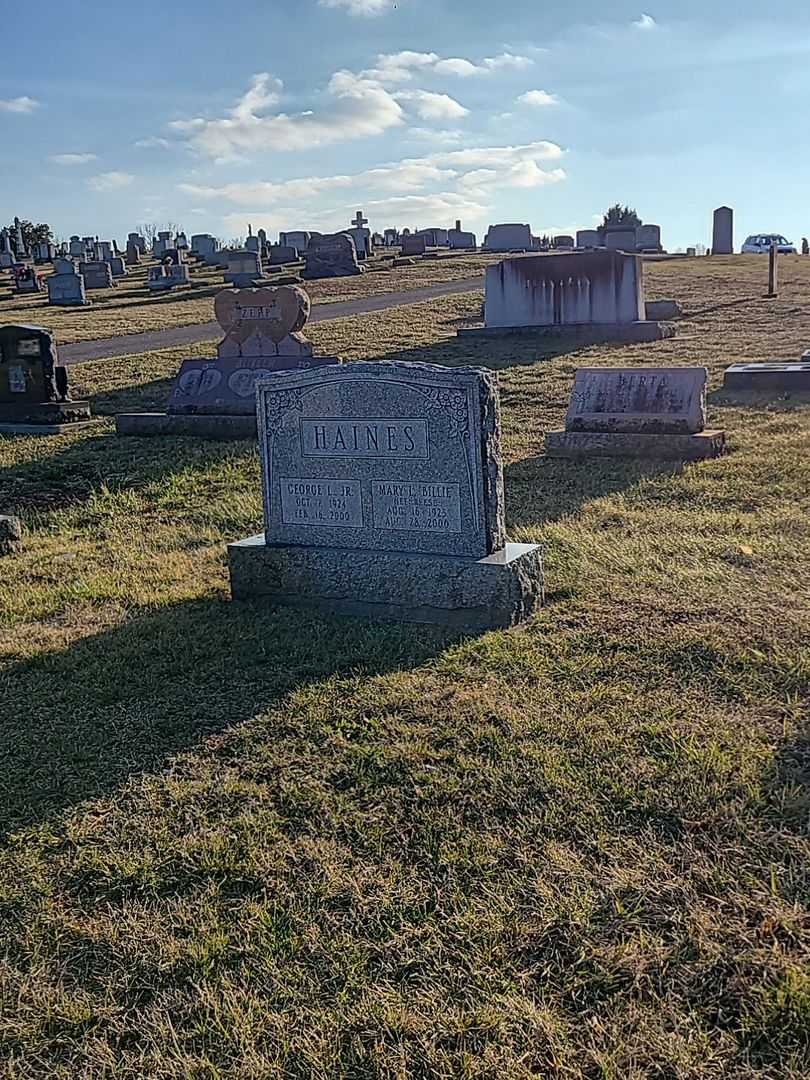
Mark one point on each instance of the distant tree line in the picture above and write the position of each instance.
(32, 234)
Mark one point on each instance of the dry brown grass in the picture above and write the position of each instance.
(246, 842)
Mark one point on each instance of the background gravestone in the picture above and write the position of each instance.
(637, 412)
(216, 398)
(383, 495)
(723, 231)
(332, 255)
(34, 393)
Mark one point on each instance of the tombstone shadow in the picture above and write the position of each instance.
(541, 490)
(77, 724)
(71, 475)
(499, 354)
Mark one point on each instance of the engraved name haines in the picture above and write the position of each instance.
(365, 437)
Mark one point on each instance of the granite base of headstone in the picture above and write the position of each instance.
(215, 398)
(383, 498)
(775, 376)
(637, 412)
(581, 297)
(34, 391)
(10, 535)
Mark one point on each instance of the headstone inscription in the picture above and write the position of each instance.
(597, 295)
(34, 395)
(723, 231)
(383, 496)
(216, 398)
(331, 255)
(637, 412)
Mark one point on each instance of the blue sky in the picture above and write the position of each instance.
(293, 115)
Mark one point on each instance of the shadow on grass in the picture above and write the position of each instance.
(542, 489)
(74, 473)
(148, 397)
(78, 723)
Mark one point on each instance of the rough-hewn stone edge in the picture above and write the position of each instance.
(10, 535)
(585, 444)
(499, 591)
(492, 461)
(199, 425)
(593, 332)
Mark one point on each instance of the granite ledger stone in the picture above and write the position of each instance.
(392, 472)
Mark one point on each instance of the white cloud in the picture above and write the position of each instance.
(430, 106)
(472, 172)
(394, 68)
(465, 68)
(153, 142)
(359, 7)
(110, 181)
(437, 136)
(19, 105)
(354, 107)
(538, 98)
(646, 22)
(72, 159)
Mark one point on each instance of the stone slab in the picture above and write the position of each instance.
(228, 385)
(10, 535)
(383, 455)
(771, 376)
(641, 400)
(590, 444)
(32, 413)
(663, 309)
(201, 425)
(498, 591)
(585, 332)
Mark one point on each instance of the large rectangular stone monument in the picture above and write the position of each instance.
(244, 268)
(34, 393)
(595, 295)
(97, 275)
(383, 497)
(637, 412)
(332, 255)
(723, 231)
(508, 237)
(66, 288)
(216, 398)
(777, 376)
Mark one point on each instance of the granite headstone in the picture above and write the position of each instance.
(383, 496)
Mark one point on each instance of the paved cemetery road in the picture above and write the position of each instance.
(192, 335)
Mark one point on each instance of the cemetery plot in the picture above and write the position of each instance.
(329, 847)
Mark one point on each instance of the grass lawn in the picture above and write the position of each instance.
(239, 841)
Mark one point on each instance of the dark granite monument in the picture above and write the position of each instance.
(34, 397)
(776, 376)
(383, 496)
(333, 255)
(637, 412)
(216, 398)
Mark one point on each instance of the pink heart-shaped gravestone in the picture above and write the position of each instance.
(272, 312)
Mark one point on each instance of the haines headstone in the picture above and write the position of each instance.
(383, 455)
